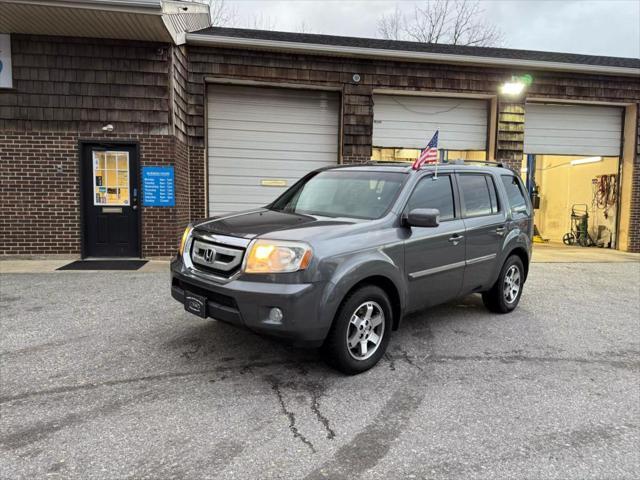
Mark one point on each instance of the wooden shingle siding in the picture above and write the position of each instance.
(80, 85)
(179, 86)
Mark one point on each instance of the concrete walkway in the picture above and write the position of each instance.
(559, 253)
(542, 253)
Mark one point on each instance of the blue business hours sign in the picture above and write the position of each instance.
(158, 187)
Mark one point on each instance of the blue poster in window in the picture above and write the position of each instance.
(158, 187)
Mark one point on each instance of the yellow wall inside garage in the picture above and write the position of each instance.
(561, 185)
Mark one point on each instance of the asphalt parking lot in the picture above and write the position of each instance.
(103, 375)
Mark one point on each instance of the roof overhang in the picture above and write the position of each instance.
(149, 20)
(402, 55)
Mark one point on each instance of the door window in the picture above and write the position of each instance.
(434, 193)
(110, 178)
(515, 194)
(479, 195)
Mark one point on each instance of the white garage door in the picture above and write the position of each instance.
(261, 140)
(405, 121)
(572, 129)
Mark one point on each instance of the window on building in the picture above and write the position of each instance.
(386, 154)
(434, 193)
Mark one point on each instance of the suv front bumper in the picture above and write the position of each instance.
(247, 304)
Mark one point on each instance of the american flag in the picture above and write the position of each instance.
(429, 154)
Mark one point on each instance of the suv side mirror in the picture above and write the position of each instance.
(423, 217)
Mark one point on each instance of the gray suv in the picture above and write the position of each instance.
(344, 254)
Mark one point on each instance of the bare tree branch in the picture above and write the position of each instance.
(304, 28)
(456, 22)
(261, 22)
(221, 14)
(391, 25)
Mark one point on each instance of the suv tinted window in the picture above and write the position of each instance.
(479, 194)
(515, 195)
(434, 193)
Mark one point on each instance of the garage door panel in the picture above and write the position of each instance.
(410, 122)
(253, 180)
(267, 138)
(574, 133)
(263, 172)
(256, 134)
(264, 165)
(557, 129)
(267, 127)
(284, 155)
(275, 116)
(278, 147)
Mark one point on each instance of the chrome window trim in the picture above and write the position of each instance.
(451, 266)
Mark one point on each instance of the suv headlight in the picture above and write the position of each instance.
(185, 237)
(277, 256)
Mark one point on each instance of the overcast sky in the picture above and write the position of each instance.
(598, 27)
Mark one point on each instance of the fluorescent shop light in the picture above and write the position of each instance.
(581, 161)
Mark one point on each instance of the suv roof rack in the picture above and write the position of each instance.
(386, 162)
(482, 162)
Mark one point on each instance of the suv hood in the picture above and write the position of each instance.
(258, 222)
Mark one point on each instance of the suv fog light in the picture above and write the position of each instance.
(275, 315)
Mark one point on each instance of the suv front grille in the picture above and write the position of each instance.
(219, 259)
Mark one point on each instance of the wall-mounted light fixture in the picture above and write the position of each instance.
(512, 89)
(516, 86)
(356, 78)
(580, 161)
(107, 128)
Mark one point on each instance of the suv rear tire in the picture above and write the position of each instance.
(505, 294)
(360, 332)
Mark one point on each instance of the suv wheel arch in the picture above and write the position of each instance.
(389, 287)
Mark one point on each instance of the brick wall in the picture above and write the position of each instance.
(40, 201)
(39, 211)
(197, 179)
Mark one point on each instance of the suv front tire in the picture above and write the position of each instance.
(360, 332)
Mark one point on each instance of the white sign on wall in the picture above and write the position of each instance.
(6, 77)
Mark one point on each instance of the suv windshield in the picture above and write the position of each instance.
(343, 193)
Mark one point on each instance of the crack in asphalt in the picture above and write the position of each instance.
(275, 386)
(316, 393)
(392, 363)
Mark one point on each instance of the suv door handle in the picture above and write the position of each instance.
(455, 239)
(500, 231)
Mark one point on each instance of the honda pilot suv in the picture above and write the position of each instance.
(344, 254)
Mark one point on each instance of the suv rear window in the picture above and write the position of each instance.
(478, 194)
(515, 195)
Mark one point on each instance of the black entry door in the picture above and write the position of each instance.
(110, 200)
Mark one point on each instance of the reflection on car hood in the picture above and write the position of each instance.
(258, 222)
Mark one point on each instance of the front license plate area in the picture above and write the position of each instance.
(196, 304)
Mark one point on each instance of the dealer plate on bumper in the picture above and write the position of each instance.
(196, 304)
